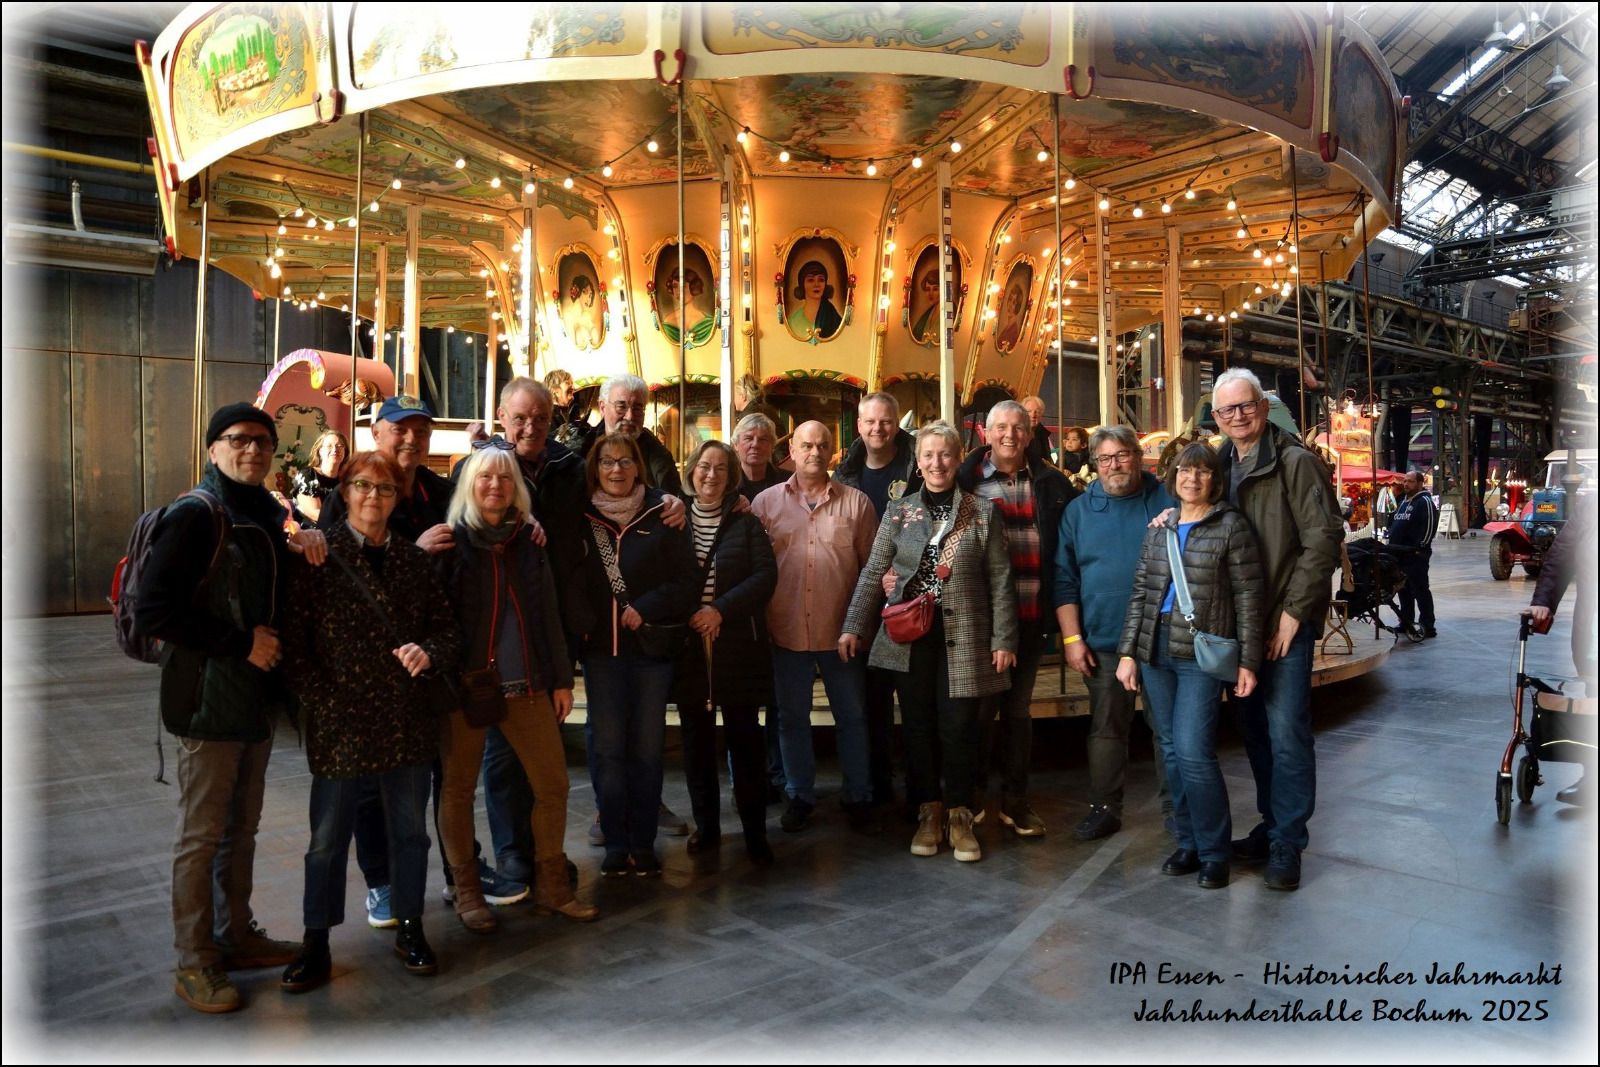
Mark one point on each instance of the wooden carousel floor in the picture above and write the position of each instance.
(848, 948)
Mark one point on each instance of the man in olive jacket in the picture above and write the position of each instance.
(1285, 491)
(220, 695)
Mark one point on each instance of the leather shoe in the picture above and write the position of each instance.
(412, 946)
(1253, 850)
(1577, 793)
(1182, 861)
(308, 970)
(708, 841)
(1213, 875)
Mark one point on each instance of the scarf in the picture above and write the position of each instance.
(490, 536)
(619, 509)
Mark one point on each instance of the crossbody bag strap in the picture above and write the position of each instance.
(608, 557)
(1180, 580)
(952, 540)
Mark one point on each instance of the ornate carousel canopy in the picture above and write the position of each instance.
(862, 185)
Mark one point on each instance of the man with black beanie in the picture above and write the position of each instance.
(220, 693)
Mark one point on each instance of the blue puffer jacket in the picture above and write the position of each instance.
(1098, 552)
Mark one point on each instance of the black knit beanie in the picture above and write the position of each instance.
(236, 413)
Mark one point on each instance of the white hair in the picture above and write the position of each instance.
(1238, 374)
(1011, 407)
(464, 506)
(634, 384)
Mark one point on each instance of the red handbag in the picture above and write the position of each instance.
(912, 619)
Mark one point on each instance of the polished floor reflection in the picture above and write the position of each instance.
(850, 947)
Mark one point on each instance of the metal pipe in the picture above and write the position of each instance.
(77, 208)
(1299, 310)
(1366, 330)
(1061, 286)
(64, 156)
(355, 284)
(200, 326)
(683, 318)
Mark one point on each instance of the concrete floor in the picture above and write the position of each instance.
(849, 948)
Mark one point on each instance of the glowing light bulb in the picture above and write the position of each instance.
(1072, 283)
(955, 147)
(883, 301)
(310, 222)
(1294, 269)
(449, 329)
(1067, 301)
(783, 156)
(1104, 205)
(1233, 205)
(566, 183)
(1258, 290)
(616, 282)
(606, 171)
(395, 184)
(1069, 183)
(1138, 212)
(612, 254)
(1255, 253)
(1042, 156)
(528, 188)
(372, 206)
(350, 222)
(744, 244)
(1210, 317)
(872, 169)
(916, 162)
(1293, 250)
(287, 292)
(1197, 309)
(888, 246)
(1246, 305)
(282, 229)
(743, 135)
(653, 146)
(1233, 314)
(516, 246)
(610, 230)
(1067, 262)
(275, 270)
(1166, 208)
(1278, 258)
(1044, 253)
(1006, 239)
(494, 183)
(461, 163)
(1241, 233)
(299, 212)
(328, 225)
(1188, 194)
(484, 273)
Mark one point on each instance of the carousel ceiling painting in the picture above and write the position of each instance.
(1141, 160)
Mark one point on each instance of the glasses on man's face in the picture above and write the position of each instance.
(383, 489)
(241, 441)
(608, 463)
(1113, 459)
(518, 422)
(497, 443)
(1237, 411)
(626, 407)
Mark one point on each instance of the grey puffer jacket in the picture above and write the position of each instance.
(1223, 564)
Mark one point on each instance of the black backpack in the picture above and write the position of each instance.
(124, 596)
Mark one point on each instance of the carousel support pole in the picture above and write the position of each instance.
(1366, 332)
(947, 306)
(380, 313)
(277, 328)
(355, 290)
(490, 366)
(492, 337)
(200, 328)
(1061, 282)
(523, 364)
(412, 345)
(683, 294)
(1179, 403)
(1299, 306)
(1105, 320)
(725, 292)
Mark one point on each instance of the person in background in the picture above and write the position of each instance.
(754, 439)
(881, 463)
(622, 405)
(1075, 451)
(1101, 532)
(221, 694)
(950, 544)
(1039, 444)
(627, 658)
(1223, 572)
(563, 398)
(1411, 532)
(313, 485)
(1029, 497)
(501, 585)
(357, 641)
(727, 661)
(1285, 491)
(821, 534)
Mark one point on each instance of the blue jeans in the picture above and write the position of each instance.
(1276, 722)
(846, 685)
(1185, 704)
(404, 792)
(626, 731)
(508, 801)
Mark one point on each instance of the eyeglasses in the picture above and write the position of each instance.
(1237, 411)
(241, 441)
(1113, 458)
(383, 489)
(623, 464)
(517, 422)
(498, 443)
(624, 407)
(705, 470)
(1195, 472)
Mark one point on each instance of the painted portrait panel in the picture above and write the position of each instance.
(691, 300)
(814, 289)
(1012, 317)
(924, 318)
(583, 300)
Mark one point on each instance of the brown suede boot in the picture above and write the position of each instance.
(554, 894)
(930, 829)
(470, 907)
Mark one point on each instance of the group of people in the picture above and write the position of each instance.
(428, 628)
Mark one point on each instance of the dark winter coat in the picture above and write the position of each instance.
(1288, 497)
(363, 713)
(1223, 566)
(741, 656)
(905, 463)
(209, 689)
(657, 565)
(489, 583)
(1051, 495)
(979, 601)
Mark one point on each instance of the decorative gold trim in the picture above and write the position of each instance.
(691, 238)
(916, 250)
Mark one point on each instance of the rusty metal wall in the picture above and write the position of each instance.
(105, 366)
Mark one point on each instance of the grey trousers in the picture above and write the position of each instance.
(1110, 716)
(220, 790)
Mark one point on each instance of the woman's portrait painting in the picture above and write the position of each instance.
(691, 298)
(814, 289)
(1013, 311)
(925, 318)
(583, 300)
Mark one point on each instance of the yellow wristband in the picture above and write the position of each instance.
(1128, 658)
(1071, 639)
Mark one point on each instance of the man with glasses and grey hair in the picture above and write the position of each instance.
(1029, 495)
(622, 402)
(1286, 492)
(1101, 534)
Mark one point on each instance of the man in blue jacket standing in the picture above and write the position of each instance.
(1411, 537)
(1101, 532)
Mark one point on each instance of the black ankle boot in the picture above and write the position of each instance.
(754, 821)
(412, 946)
(312, 967)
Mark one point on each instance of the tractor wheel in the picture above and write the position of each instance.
(1500, 558)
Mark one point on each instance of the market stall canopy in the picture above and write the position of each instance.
(519, 161)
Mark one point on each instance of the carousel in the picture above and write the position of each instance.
(775, 205)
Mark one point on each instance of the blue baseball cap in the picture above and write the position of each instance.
(403, 407)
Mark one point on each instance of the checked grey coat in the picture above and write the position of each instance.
(979, 599)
